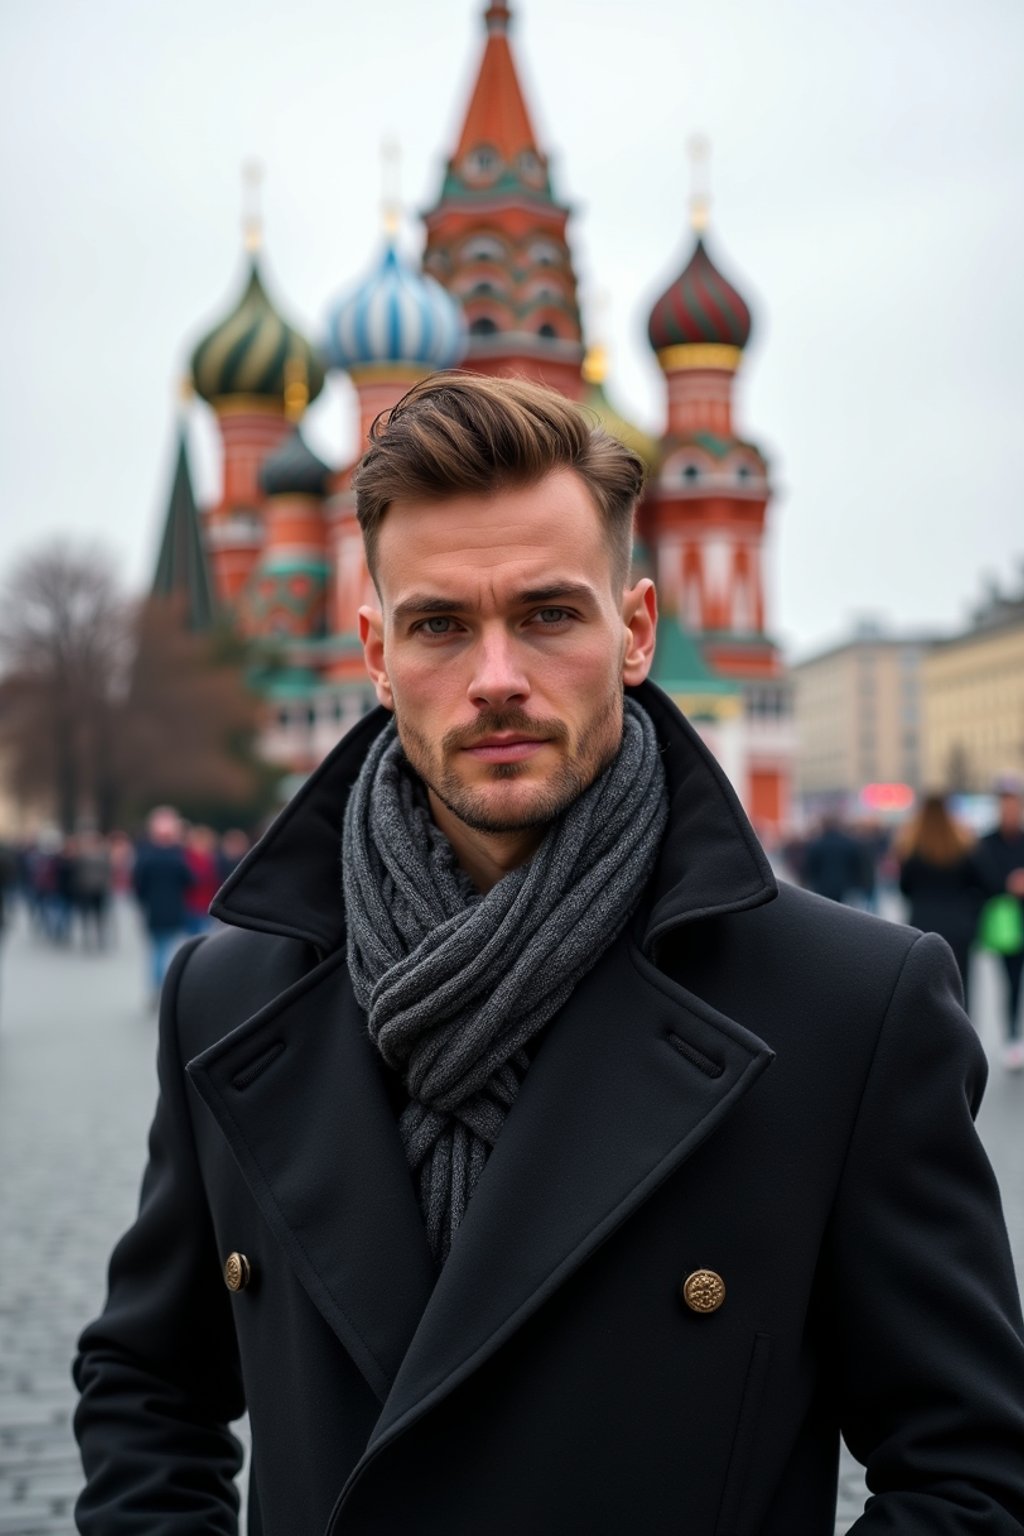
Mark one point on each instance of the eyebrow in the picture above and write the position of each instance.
(419, 604)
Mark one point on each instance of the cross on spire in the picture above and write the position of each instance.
(252, 211)
(390, 178)
(700, 182)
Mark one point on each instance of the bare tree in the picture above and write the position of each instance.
(108, 707)
(65, 649)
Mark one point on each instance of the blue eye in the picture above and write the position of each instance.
(437, 626)
(552, 615)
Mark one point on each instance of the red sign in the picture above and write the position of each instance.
(887, 797)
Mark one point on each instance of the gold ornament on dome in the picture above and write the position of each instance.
(296, 387)
(700, 354)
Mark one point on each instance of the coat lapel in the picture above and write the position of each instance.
(632, 1076)
(299, 1095)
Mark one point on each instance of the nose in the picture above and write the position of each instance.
(498, 677)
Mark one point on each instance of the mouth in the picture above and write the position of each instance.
(505, 749)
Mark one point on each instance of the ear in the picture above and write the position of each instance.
(371, 634)
(640, 616)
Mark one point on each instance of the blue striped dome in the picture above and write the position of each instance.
(398, 316)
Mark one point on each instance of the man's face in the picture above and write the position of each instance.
(502, 648)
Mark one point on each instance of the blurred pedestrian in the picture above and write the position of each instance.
(161, 880)
(91, 874)
(874, 843)
(794, 857)
(38, 874)
(941, 879)
(8, 882)
(234, 845)
(122, 861)
(201, 858)
(63, 895)
(1001, 855)
(834, 863)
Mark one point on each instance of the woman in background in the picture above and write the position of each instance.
(940, 877)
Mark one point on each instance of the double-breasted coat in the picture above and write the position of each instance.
(752, 1086)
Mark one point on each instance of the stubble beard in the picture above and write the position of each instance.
(577, 769)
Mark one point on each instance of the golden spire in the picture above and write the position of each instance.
(252, 213)
(700, 182)
(296, 387)
(390, 177)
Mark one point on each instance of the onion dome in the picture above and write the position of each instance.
(397, 317)
(293, 469)
(248, 352)
(700, 308)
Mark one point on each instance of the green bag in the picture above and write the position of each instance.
(1001, 926)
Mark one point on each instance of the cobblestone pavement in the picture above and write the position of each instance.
(77, 1080)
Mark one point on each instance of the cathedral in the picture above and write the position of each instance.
(496, 292)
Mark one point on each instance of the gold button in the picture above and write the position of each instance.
(704, 1291)
(237, 1272)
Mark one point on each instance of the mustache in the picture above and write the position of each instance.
(500, 722)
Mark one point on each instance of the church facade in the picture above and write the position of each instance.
(496, 292)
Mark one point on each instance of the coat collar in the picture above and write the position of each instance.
(711, 862)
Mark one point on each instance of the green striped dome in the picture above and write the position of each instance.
(248, 352)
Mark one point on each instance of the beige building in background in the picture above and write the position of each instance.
(858, 719)
(973, 703)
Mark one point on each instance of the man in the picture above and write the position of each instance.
(161, 880)
(534, 1166)
(835, 863)
(1001, 859)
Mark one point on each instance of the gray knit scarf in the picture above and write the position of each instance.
(454, 984)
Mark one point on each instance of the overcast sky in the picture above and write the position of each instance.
(867, 179)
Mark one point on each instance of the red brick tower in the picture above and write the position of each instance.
(705, 515)
(496, 238)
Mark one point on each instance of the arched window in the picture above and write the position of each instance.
(547, 330)
(483, 325)
(545, 253)
(483, 248)
(482, 163)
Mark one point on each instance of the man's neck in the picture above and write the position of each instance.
(486, 857)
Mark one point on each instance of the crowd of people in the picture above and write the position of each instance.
(68, 885)
(968, 889)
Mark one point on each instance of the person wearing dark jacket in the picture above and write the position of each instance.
(161, 880)
(941, 879)
(834, 863)
(526, 1159)
(1001, 854)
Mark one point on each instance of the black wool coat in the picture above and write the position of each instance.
(753, 1083)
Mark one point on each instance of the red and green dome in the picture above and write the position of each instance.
(700, 308)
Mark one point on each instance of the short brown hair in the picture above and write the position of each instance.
(457, 434)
